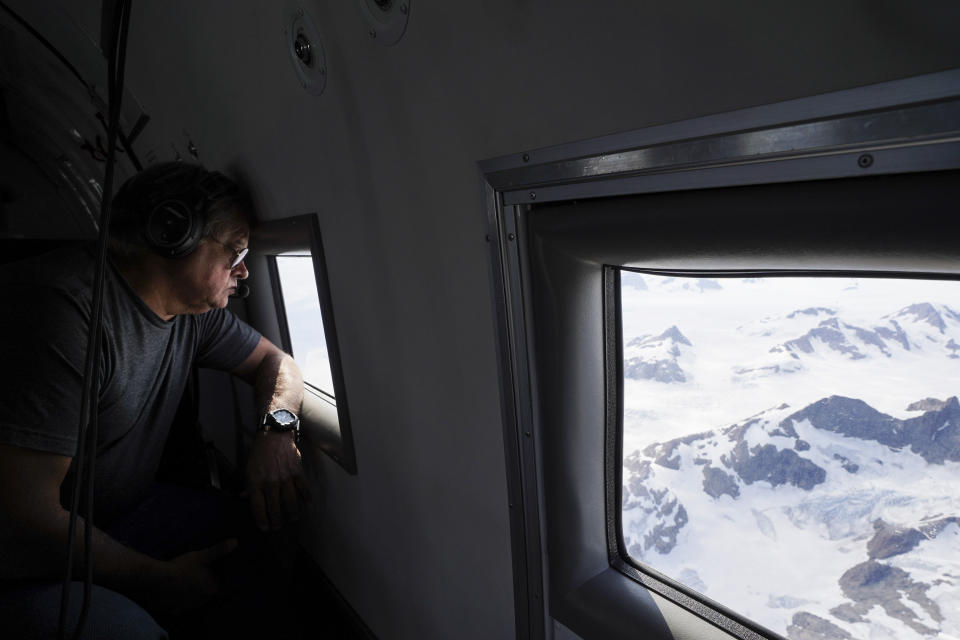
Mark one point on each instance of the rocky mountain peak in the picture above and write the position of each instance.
(656, 357)
(927, 404)
(931, 314)
(935, 435)
(811, 311)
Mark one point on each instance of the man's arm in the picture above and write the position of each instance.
(33, 540)
(275, 482)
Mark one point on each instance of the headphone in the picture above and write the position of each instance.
(173, 226)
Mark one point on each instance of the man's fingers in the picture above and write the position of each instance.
(302, 488)
(291, 504)
(274, 510)
(219, 550)
(258, 508)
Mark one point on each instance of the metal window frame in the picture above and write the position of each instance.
(899, 127)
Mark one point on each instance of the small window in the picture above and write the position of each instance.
(304, 319)
(791, 448)
(301, 320)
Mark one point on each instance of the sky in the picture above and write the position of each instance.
(305, 320)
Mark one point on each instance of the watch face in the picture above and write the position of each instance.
(284, 418)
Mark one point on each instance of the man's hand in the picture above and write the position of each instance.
(275, 482)
(189, 581)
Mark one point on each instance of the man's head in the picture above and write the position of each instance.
(184, 227)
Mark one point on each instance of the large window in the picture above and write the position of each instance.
(729, 352)
(791, 448)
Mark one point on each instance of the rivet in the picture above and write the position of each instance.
(528, 434)
(511, 236)
(865, 160)
(533, 195)
(526, 157)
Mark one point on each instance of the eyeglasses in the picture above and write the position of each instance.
(238, 254)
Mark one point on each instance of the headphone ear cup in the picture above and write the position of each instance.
(172, 229)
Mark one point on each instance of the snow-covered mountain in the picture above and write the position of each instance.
(803, 469)
(656, 357)
(836, 493)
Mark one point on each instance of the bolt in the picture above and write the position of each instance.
(865, 160)
(533, 195)
(526, 157)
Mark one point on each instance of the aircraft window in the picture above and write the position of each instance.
(304, 319)
(791, 448)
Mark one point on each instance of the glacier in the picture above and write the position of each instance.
(803, 471)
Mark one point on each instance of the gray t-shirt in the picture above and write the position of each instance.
(144, 365)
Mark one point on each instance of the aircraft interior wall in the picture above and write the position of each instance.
(418, 541)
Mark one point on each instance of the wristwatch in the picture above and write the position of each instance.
(280, 421)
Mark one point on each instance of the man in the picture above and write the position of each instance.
(177, 243)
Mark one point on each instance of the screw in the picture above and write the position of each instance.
(488, 237)
(373, 33)
(526, 157)
(511, 236)
(865, 160)
(533, 195)
(528, 434)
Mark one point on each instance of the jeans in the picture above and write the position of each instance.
(170, 521)
(30, 611)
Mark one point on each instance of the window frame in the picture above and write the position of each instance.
(325, 419)
(557, 330)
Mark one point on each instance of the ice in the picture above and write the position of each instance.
(774, 547)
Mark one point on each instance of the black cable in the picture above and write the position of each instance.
(87, 432)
